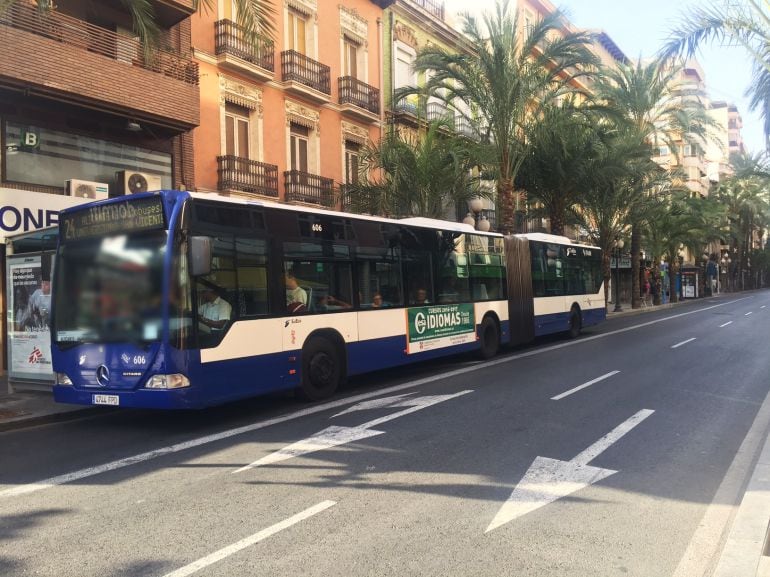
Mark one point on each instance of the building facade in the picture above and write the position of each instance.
(87, 112)
(286, 120)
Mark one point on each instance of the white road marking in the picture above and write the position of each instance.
(374, 404)
(154, 454)
(335, 436)
(748, 313)
(725, 324)
(548, 480)
(583, 386)
(677, 345)
(248, 541)
(763, 306)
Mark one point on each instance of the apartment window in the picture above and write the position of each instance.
(352, 158)
(405, 68)
(688, 150)
(297, 33)
(663, 151)
(236, 130)
(350, 65)
(299, 142)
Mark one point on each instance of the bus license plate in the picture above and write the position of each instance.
(106, 400)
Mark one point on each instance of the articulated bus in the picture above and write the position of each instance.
(186, 300)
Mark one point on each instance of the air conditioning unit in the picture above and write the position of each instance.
(131, 182)
(86, 189)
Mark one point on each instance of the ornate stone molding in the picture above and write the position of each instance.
(306, 7)
(406, 35)
(354, 133)
(353, 25)
(302, 115)
(241, 94)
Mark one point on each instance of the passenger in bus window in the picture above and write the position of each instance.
(421, 297)
(377, 302)
(296, 296)
(215, 311)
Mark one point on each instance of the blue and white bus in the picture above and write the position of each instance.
(186, 300)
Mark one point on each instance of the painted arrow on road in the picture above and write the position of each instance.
(335, 436)
(548, 480)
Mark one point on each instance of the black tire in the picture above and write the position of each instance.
(321, 370)
(489, 338)
(575, 323)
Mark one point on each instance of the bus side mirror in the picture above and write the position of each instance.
(200, 255)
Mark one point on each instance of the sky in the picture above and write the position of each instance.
(640, 28)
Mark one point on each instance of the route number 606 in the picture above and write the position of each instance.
(139, 359)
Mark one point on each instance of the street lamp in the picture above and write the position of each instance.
(474, 218)
(618, 247)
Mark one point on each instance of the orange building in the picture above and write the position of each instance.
(286, 120)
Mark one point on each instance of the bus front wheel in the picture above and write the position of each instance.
(321, 370)
(489, 337)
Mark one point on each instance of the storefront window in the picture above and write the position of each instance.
(46, 157)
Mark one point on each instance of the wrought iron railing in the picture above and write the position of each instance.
(74, 32)
(439, 111)
(300, 68)
(353, 91)
(466, 128)
(230, 39)
(435, 7)
(310, 188)
(245, 175)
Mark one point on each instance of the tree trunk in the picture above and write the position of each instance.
(636, 246)
(556, 216)
(506, 209)
(657, 288)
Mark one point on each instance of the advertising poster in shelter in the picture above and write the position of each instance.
(29, 310)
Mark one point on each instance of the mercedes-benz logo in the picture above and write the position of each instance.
(103, 375)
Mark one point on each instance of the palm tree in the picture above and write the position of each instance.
(562, 145)
(746, 24)
(649, 98)
(679, 221)
(504, 79)
(425, 176)
(256, 18)
(747, 199)
(609, 191)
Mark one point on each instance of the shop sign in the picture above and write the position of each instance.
(625, 262)
(438, 326)
(24, 211)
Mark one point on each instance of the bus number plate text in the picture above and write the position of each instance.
(113, 400)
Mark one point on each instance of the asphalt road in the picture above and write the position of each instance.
(598, 456)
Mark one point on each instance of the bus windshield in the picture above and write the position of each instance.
(109, 289)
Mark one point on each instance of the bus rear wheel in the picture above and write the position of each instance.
(575, 323)
(321, 370)
(489, 337)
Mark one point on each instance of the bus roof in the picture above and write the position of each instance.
(553, 238)
(412, 221)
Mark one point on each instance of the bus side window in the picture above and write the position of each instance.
(251, 261)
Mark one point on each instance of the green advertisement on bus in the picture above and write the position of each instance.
(438, 326)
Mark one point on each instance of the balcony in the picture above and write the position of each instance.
(236, 53)
(171, 12)
(436, 111)
(433, 7)
(87, 65)
(308, 188)
(305, 76)
(359, 99)
(243, 175)
(467, 128)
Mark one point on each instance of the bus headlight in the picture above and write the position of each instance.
(175, 381)
(62, 379)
